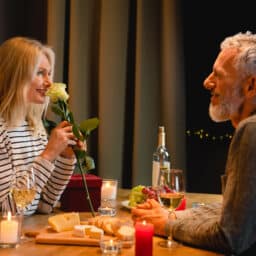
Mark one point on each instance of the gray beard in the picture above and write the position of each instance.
(227, 107)
(219, 113)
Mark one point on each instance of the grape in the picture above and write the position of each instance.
(140, 194)
(136, 196)
(167, 189)
(145, 190)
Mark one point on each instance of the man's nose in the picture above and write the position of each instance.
(209, 83)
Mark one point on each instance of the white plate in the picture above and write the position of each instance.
(125, 204)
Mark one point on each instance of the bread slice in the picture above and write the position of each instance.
(64, 221)
(125, 233)
(111, 225)
(95, 233)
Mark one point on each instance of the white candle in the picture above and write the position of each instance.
(9, 230)
(108, 190)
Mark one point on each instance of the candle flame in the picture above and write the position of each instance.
(144, 222)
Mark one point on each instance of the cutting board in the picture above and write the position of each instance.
(47, 236)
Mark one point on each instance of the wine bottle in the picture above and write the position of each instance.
(161, 157)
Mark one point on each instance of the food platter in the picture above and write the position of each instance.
(125, 204)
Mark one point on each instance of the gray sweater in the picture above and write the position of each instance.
(229, 227)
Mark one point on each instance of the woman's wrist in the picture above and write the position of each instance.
(47, 156)
(68, 156)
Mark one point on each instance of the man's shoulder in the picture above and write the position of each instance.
(248, 122)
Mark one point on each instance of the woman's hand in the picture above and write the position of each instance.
(60, 142)
(152, 212)
(69, 153)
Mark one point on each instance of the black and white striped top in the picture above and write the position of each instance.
(20, 150)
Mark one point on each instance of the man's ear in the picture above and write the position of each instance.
(250, 87)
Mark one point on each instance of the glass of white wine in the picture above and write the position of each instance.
(171, 192)
(23, 191)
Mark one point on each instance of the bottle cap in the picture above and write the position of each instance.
(161, 128)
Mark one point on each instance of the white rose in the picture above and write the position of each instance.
(57, 91)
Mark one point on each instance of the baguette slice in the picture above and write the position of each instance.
(125, 233)
(95, 233)
(64, 221)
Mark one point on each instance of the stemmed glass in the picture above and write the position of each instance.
(171, 191)
(23, 191)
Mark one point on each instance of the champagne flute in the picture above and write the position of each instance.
(170, 194)
(23, 191)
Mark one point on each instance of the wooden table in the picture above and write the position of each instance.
(30, 248)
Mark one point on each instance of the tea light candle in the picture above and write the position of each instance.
(9, 230)
(110, 247)
(109, 190)
(144, 239)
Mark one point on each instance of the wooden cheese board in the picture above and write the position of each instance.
(48, 236)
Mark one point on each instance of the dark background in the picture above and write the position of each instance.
(204, 24)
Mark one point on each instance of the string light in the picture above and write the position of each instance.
(204, 135)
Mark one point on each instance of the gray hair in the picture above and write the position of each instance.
(245, 61)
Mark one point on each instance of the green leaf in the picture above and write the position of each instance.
(89, 163)
(71, 116)
(57, 111)
(76, 131)
(89, 125)
(80, 154)
(48, 125)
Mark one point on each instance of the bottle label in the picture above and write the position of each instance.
(155, 173)
(156, 170)
(166, 164)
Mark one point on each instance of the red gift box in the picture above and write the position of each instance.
(74, 197)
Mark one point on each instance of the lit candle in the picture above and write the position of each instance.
(144, 239)
(111, 247)
(109, 189)
(9, 230)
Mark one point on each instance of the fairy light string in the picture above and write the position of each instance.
(206, 136)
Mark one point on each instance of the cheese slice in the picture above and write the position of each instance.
(64, 221)
(81, 230)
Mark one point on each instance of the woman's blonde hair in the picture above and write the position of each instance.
(19, 60)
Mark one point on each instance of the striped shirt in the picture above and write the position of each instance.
(19, 151)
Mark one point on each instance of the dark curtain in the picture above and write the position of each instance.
(23, 18)
(137, 64)
(205, 25)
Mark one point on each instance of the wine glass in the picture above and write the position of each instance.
(23, 191)
(171, 191)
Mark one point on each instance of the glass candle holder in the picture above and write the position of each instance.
(110, 247)
(108, 197)
(9, 230)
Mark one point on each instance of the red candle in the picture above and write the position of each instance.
(144, 239)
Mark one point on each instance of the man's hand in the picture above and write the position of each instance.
(152, 212)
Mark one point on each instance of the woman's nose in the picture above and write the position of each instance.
(47, 81)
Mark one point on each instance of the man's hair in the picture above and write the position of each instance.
(19, 60)
(245, 61)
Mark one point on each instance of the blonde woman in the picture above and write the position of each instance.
(26, 72)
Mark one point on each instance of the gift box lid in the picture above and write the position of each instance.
(76, 180)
